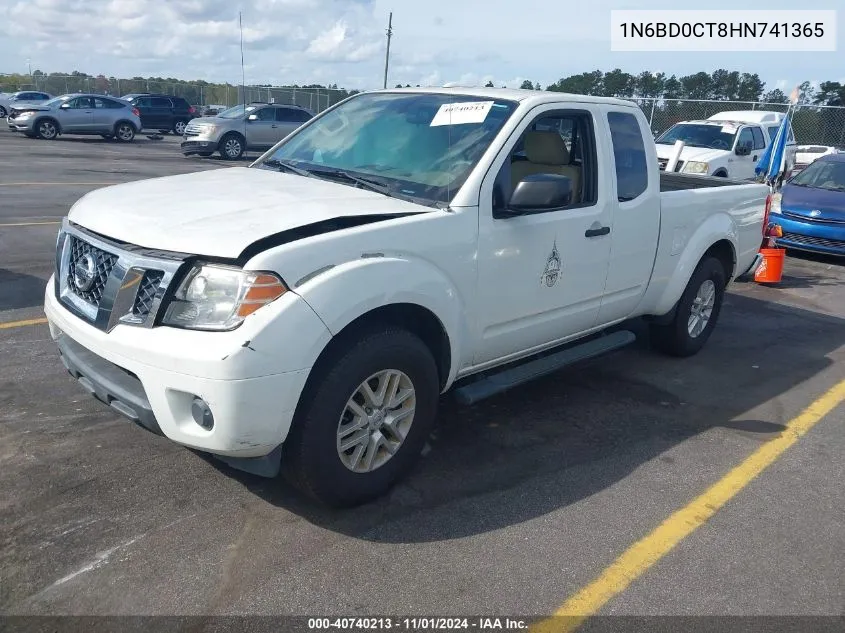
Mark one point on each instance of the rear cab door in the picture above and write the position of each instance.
(635, 191)
(288, 120)
(541, 275)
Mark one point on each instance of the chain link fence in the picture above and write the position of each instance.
(817, 125)
(823, 125)
(196, 93)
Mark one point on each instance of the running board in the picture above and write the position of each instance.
(509, 378)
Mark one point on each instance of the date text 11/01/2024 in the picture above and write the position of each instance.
(416, 624)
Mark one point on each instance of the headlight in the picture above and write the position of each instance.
(206, 129)
(695, 167)
(774, 207)
(213, 297)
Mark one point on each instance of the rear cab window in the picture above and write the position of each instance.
(629, 155)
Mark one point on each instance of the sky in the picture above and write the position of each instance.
(343, 41)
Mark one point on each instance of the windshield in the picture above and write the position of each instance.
(417, 146)
(700, 135)
(237, 111)
(56, 100)
(826, 174)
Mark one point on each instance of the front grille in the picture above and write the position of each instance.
(146, 293)
(103, 262)
(662, 162)
(813, 241)
(805, 218)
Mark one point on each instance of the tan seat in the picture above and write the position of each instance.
(547, 154)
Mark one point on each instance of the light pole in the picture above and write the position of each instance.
(387, 53)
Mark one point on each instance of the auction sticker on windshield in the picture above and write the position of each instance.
(458, 113)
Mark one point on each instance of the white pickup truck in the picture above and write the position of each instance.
(727, 144)
(305, 313)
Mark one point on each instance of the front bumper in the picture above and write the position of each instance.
(152, 375)
(818, 237)
(197, 146)
(18, 125)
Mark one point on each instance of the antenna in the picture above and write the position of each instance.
(243, 72)
(387, 54)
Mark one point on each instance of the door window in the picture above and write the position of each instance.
(746, 138)
(629, 155)
(159, 102)
(759, 140)
(561, 143)
(265, 114)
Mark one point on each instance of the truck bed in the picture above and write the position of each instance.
(677, 182)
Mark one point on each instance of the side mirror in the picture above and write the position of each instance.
(742, 150)
(252, 117)
(540, 192)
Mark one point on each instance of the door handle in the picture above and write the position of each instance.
(274, 126)
(755, 157)
(604, 230)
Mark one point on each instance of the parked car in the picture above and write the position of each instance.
(811, 207)
(24, 97)
(213, 109)
(727, 144)
(164, 113)
(77, 114)
(806, 154)
(257, 126)
(307, 311)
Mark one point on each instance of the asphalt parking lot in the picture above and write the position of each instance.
(519, 504)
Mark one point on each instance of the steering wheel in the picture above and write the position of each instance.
(719, 144)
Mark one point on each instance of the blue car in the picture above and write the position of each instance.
(811, 207)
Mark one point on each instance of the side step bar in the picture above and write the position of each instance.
(509, 378)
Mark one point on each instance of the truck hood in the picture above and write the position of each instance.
(221, 212)
(701, 154)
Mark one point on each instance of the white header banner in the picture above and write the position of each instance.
(758, 31)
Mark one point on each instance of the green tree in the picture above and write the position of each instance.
(831, 93)
(583, 84)
(526, 85)
(725, 84)
(806, 93)
(775, 96)
(750, 87)
(697, 86)
(649, 85)
(617, 84)
(489, 84)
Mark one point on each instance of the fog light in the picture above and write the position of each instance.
(202, 414)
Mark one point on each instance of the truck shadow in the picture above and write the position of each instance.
(19, 290)
(576, 433)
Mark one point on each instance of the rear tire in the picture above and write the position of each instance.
(696, 312)
(179, 127)
(3, 113)
(335, 411)
(124, 132)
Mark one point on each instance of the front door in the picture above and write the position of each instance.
(541, 276)
(78, 116)
(261, 130)
(743, 166)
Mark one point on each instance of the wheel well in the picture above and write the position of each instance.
(47, 118)
(409, 316)
(722, 172)
(723, 250)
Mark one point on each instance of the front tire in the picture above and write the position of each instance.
(3, 113)
(47, 129)
(232, 146)
(696, 312)
(362, 424)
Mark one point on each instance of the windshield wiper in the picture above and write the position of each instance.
(364, 183)
(278, 164)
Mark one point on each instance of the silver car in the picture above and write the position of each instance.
(17, 99)
(77, 114)
(257, 126)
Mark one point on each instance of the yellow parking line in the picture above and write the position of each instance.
(14, 324)
(638, 558)
(29, 223)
